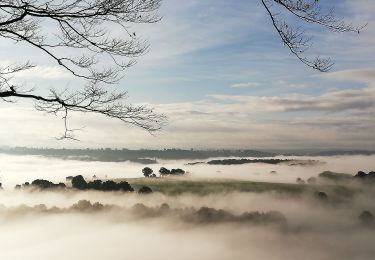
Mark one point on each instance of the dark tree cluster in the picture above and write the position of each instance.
(342, 178)
(206, 215)
(148, 172)
(165, 172)
(244, 161)
(211, 215)
(85, 205)
(41, 184)
(361, 175)
(335, 176)
(78, 182)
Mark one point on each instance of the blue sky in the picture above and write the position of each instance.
(219, 71)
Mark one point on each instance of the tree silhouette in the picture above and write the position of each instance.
(307, 12)
(147, 171)
(84, 27)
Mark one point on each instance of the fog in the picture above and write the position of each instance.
(19, 169)
(67, 224)
(314, 230)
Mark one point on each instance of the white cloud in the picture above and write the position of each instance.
(189, 26)
(245, 85)
(44, 72)
(203, 124)
(365, 75)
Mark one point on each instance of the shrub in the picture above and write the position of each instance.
(366, 218)
(145, 190)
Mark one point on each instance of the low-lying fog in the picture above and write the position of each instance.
(120, 228)
(19, 169)
(313, 229)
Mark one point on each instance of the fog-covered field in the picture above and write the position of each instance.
(55, 225)
(18, 169)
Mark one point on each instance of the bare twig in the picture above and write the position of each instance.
(308, 11)
(86, 26)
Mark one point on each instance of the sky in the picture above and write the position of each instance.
(220, 73)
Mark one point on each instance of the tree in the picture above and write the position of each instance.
(84, 27)
(147, 171)
(306, 12)
(78, 182)
(361, 175)
(164, 171)
(177, 171)
(44, 184)
(300, 181)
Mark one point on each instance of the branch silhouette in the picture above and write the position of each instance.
(85, 26)
(307, 11)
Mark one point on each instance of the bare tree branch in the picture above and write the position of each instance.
(84, 25)
(308, 11)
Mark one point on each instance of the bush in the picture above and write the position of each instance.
(312, 180)
(300, 181)
(366, 218)
(361, 175)
(177, 172)
(145, 190)
(322, 196)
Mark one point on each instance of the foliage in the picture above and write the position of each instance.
(78, 182)
(44, 184)
(165, 172)
(147, 172)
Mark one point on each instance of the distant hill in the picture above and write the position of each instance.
(315, 152)
(245, 161)
(290, 162)
(343, 152)
(143, 156)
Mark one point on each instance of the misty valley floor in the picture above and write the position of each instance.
(185, 217)
(249, 211)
